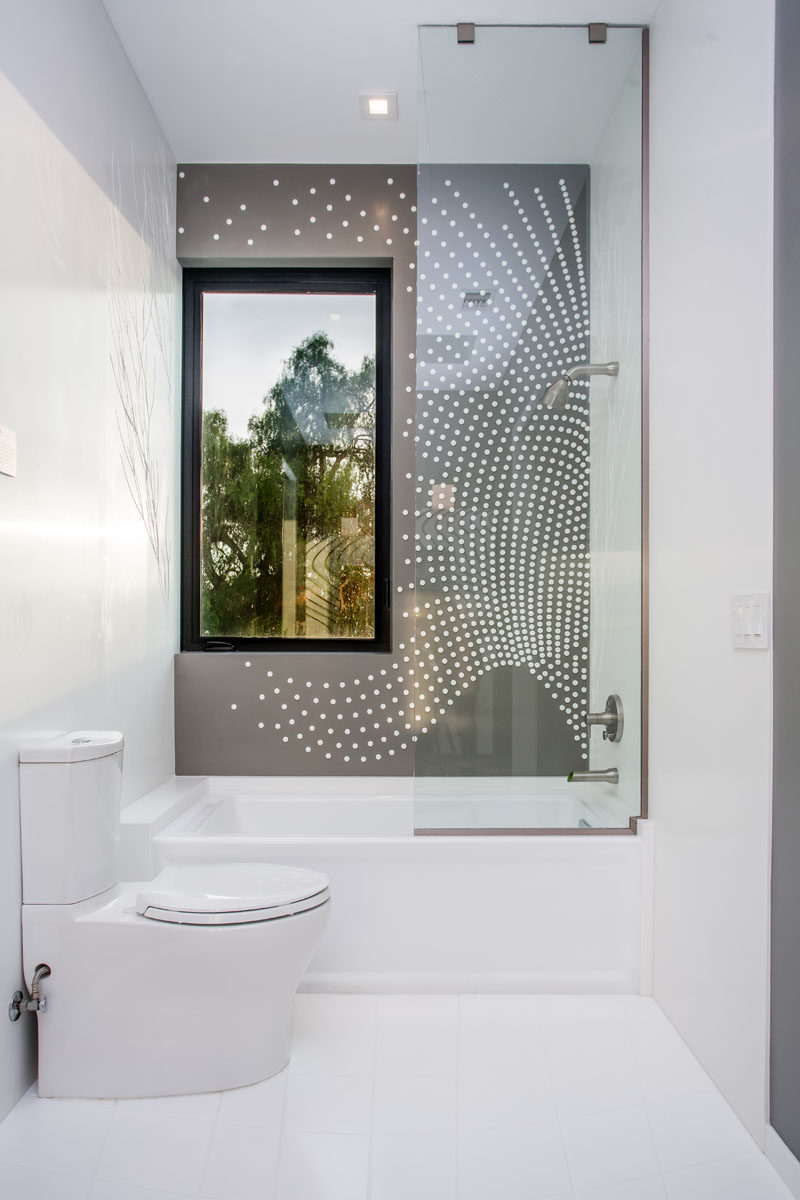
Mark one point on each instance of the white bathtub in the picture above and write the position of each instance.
(552, 913)
(284, 806)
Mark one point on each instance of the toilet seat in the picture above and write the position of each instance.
(231, 893)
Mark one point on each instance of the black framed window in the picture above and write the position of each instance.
(286, 487)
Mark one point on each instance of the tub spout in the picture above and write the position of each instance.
(609, 776)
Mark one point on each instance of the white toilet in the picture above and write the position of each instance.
(182, 984)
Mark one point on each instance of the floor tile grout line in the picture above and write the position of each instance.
(628, 1026)
(92, 1181)
(548, 1066)
(649, 1124)
(671, 1101)
(42, 1173)
(716, 1160)
(209, 1148)
(456, 1122)
(282, 1121)
(638, 1102)
(373, 1085)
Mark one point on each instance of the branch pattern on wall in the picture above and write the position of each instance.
(141, 289)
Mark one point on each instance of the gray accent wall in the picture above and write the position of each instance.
(257, 714)
(502, 494)
(488, 668)
(785, 957)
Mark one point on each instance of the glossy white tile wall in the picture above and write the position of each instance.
(86, 227)
(711, 475)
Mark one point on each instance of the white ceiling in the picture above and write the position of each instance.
(522, 95)
(263, 81)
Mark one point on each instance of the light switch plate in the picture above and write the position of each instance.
(750, 621)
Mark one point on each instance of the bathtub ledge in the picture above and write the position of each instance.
(147, 816)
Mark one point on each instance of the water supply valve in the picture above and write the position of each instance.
(35, 1002)
(611, 719)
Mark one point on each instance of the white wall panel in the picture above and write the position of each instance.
(711, 478)
(88, 351)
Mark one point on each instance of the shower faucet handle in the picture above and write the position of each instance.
(612, 719)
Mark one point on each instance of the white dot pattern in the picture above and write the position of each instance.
(490, 562)
(329, 205)
(355, 710)
(502, 483)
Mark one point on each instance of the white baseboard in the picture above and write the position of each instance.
(609, 983)
(783, 1161)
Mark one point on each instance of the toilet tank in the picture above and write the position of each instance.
(69, 800)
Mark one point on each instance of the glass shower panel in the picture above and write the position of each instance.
(528, 429)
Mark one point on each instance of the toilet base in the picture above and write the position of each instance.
(146, 1008)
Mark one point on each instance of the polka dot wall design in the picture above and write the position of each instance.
(502, 483)
(490, 562)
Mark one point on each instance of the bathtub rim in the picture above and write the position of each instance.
(145, 819)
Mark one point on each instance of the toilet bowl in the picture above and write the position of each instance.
(179, 984)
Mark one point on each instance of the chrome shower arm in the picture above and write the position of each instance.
(609, 368)
(557, 394)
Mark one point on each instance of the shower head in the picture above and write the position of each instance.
(557, 394)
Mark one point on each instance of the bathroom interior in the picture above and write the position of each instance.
(452, 854)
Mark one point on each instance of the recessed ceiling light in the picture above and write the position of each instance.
(378, 106)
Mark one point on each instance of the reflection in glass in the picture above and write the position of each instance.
(288, 474)
(528, 487)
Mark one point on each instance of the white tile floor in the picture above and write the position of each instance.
(417, 1098)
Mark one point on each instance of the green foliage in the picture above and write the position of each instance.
(307, 466)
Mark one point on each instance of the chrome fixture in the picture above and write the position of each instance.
(557, 394)
(609, 776)
(612, 719)
(476, 299)
(37, 1003)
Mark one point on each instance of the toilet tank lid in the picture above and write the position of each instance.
(77, 746)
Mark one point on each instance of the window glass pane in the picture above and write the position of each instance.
(288, 466)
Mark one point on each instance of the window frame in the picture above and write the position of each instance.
(309, 280)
